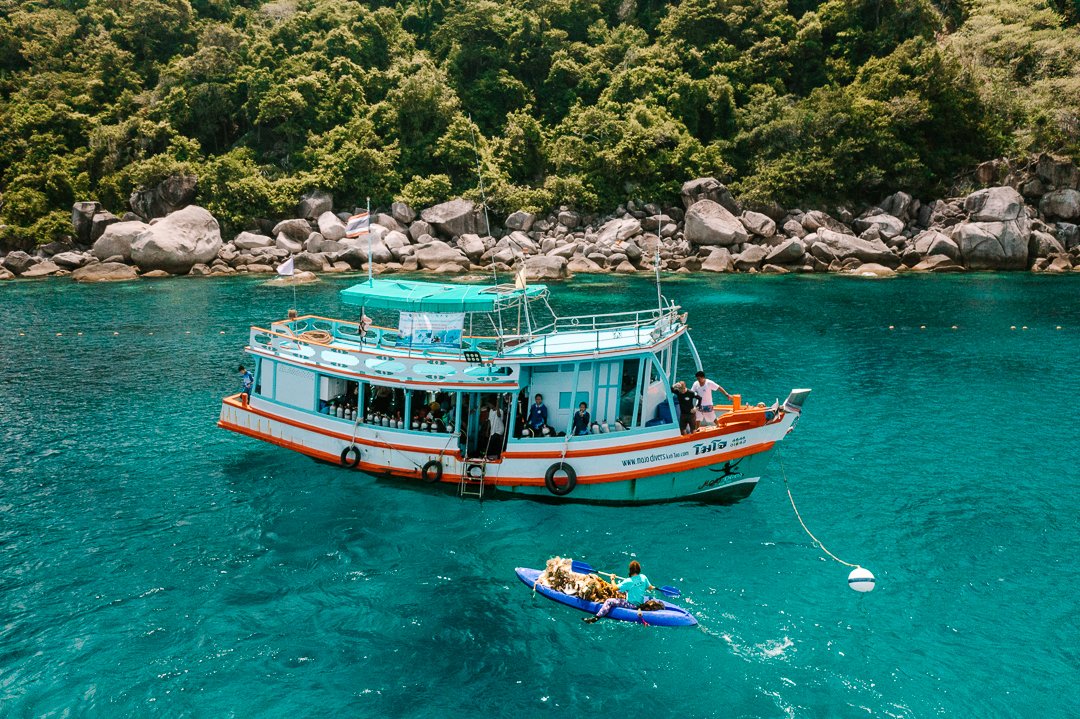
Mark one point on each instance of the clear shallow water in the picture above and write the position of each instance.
(153, 565)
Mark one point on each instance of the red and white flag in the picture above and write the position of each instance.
(358, 225)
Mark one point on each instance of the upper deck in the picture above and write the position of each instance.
(384, 351)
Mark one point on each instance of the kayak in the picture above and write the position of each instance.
(670, 616)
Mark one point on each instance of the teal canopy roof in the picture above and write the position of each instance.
(412, 296)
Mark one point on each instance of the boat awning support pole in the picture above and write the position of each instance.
(369, 280)
(693, 351)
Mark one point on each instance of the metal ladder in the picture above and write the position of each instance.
(472, 478)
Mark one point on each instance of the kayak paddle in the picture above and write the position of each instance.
(583, 568)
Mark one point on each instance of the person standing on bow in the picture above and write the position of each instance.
(538, 415)
(247, 381)
(631, 593)
(703, 388)
(684, 402)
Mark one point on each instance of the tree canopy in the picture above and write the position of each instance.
(579, 102)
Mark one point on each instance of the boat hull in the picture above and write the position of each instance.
(713, 466)
(671, 616)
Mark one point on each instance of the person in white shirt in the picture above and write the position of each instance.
(703, 388)
(496, 431)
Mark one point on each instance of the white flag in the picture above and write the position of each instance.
(285, 269)
(519, 278)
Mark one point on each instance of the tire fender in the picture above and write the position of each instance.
(431, 472)
(557, 489)
(350, 456)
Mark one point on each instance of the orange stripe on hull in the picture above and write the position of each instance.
(506, 481)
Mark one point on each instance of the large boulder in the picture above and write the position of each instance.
(710, 223)
(752, 256)
(453, 218)
(994, 245)
(938, 263)
(580, 264)
(173, 193)
(1061, 205)
(719, 260)
(471, 245)
(105, 272)
(311, 262)
(831, 245)
(760, 224)
(82, 216)
(252, 241)
(70, 260)
(435, 254)
(618, 230)
(178, 242)
(1069, 234)
(872, 269)
(994, 204)
(313, 204)
(402, 212)
(787, 252)
(545, 267)
(815, 220)
(1043, 244)
(932, 242)
(100, 222)
(887, 226)
(708, 188)
(1059, 172)
(331, 227)
(898, 204)
(19, 262)
(117, 239)
(296, 230)
(284, 242)
(520, 220)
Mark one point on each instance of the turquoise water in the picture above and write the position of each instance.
(153, 565)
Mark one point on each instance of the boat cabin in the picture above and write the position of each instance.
(447, 365)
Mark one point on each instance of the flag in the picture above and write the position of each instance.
(285, 269)
(358, 225)
(519, 278)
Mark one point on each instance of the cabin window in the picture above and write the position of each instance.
(294, 386)
(338, 397)
(431, 411)
(384, 405)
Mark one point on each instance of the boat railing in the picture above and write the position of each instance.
(614, 320)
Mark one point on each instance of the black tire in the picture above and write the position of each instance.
(432, 471)
(560, 490)
(354, 451)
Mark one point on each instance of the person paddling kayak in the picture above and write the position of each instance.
(631, 590)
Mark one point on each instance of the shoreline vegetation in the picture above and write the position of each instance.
(1028, 224)
(590, 107)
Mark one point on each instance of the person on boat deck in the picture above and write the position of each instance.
(684, 401)
(436, 417)
(581, 420)
(632, 591)
(703, 388)
(496, 431)
(538, 414)
(247, 381)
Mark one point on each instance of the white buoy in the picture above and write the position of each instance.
(861, 580)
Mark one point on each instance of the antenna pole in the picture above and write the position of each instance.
(656, 264)
(369, 280)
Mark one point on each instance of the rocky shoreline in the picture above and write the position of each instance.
(1023, 219)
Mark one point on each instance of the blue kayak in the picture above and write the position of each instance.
(670, 616)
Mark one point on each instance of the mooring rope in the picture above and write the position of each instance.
(817, 541)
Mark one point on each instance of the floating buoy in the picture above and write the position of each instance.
(891, 327)
(59, 334)
(114, 334)
(1024, 327)
(922, 327)
(1057, 328)
(1012, 327)
(954, 326)
(222, 332)
(861, 580)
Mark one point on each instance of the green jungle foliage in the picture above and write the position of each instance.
(579, 102)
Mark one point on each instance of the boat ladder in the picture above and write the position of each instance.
(472, 478)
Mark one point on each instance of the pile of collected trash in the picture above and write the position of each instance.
(559, 575)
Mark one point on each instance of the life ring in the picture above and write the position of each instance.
(353, 450)
(319, 337)
(560, 490)
(432, 471)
